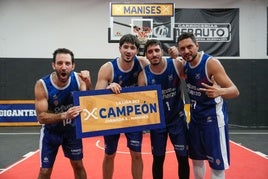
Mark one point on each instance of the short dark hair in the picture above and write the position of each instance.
(152, 42)
(64, 51)
(186, 35)
(129, 38)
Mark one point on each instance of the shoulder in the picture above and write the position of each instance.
(106, 66)
(39, 83)
(39, 88)
(106, 70)
(211, 61)
(143, 60)
(214, 66)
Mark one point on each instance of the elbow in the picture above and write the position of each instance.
(40, 120)
(236, 92)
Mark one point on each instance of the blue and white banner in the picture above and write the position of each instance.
(17, 111)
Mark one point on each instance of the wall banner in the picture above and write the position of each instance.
(145, 20)
(17, 112)
(216, 30)
(106, 113)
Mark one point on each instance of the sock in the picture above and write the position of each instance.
(158, 163)
(184, 168)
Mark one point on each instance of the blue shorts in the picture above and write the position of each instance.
(134, 140)
(50, 142)
(177, 132)
(209, 142)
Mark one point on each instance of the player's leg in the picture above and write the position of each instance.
(199, 168)
(184, 167)
(79, 169)
(158, 143)
(111, 143)
(134, 142)
(217, 174)
(44, 173)
(178, 135)
(196, 149)
(219, 151)
(136, 165)
(49, 144)
(157, 167)
(73, 149)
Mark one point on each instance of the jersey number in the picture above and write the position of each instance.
(168, 106)
(193, 104)
(67, 121)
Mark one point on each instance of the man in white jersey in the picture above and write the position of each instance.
(207, 85)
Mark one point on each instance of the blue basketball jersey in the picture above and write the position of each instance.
(203, 109)
(126, 78)
(170, 82)
(60, 99)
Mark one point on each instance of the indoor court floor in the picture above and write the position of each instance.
(19, 150)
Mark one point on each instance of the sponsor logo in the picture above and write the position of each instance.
(206, 32)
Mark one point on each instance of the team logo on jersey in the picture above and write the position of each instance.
(197, 76)
(153, 81)
(170, 77)
(218, 161)
(55, 100)
(45, 160)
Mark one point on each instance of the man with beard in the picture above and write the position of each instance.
(122, 72)
(167, 72)
(207, 85)
(56, 113)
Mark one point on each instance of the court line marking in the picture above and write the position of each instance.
(25, 157)
(122, 152)
(19, 133)
(249, 133)
(37, 133)
(248, 149)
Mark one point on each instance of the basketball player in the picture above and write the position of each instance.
(207, 84)
(56, 113)
(166, 72)
(115, 74)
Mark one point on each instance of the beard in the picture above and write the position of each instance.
(63, 76)
(155, 61)
(191, 59)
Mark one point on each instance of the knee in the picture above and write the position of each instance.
(45, 172)
(77, 164)
(135, 155)
(109, 157)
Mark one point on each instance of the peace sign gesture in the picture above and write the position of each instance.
(211, 91)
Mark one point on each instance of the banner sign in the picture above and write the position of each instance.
(216, 30)
(106, 113)
(145, 20)
(207, 32)
(17, 111)
(142, 9)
